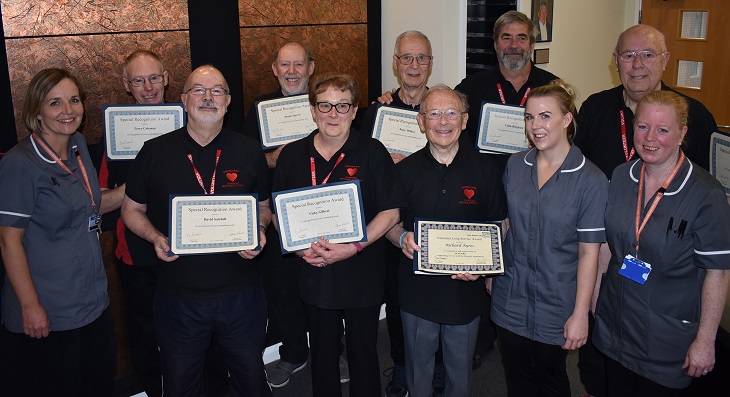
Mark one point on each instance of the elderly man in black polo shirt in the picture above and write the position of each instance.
(201, 295)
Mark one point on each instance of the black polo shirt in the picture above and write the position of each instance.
(469, 189)
(599, 130)
(357, 281)
(162, 168)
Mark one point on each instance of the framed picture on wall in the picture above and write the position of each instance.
(542, 17)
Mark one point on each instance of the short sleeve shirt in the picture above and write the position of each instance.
(64, 257)
(536, 295)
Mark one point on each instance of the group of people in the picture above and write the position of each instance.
(590, 265)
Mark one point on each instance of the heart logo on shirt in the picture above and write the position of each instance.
(469, 193)
(231, 176)
(351, 171)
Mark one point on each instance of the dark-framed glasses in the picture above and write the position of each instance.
(645, 56)
(200, 91)
(435, 114)
(408, 59)
(153, 79)
(326, 107)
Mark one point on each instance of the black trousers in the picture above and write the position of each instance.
(626, 383)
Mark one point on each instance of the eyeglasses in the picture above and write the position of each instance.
(153, 79)
(200, 91)
(435, 114)
(408, 59)
(326, 107)
(645, 56)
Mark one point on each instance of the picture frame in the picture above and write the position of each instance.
(542, 17)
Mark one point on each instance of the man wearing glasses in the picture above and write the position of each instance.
(199, 296)
(605, 121)
(605, 136)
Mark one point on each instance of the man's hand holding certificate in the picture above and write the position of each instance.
(332, 211)
(458, 247)
(204, 224)
(284, 120)
(501, 128)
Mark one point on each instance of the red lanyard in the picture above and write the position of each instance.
(63, 166)
(504, 102)
(314, 171)
(627, 154)
(197, 174)
(656, 200)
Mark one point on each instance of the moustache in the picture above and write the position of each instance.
(208, 104)
(515, 51)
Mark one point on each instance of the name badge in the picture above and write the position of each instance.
(95, 223)
(635, 270)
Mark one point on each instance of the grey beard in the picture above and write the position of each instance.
(515, 65)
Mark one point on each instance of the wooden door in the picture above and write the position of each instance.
(712, 85)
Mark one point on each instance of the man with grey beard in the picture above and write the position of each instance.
(514, 40)
(509, 83)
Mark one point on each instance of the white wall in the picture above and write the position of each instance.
(584, 35)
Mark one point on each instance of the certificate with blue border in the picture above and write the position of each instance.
(333, 211)
(457, 247)
(284, 120)
(128, 127)
(720, 159)
(501, 128)
(210, 224)
(398, 130)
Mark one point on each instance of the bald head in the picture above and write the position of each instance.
(640, 74)
(649, 33)
(292, 66)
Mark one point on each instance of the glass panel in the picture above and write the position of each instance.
(689, 74)
(694, 25)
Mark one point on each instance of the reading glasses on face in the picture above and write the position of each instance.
(326, 107)
(645, 56)
(153, 79)
(200, 91)
(408, 59)
(451, 114)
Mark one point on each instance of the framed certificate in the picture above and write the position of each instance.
(209, 224)
(284, 120)
(501, 128)
(398, 130)
(720, 159)
(458, 247)
(333, 211)
(128, 127)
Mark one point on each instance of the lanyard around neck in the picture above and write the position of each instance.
(504, 102)
(628, 155)
(657, 198)
(197, 174)
(54, 156)
(314, 170)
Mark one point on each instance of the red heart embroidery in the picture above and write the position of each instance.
(469, 193)
(231, 176)
(351, 171)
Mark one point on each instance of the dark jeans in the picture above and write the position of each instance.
(533, 368)
(185, 329)
(76, 363)
(361, 335)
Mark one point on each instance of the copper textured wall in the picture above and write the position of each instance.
(91, 39)
(334, 32)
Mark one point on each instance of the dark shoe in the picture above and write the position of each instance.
(397, 383)
(344, 370)
(439, 380)
(279, 375)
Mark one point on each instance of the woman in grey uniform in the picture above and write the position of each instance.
(555, 201)
(662, 297)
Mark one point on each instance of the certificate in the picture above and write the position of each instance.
(284, 120)
(208, 224)
(458, 247)
(128, 127)
(720, 159)
(333, 211)
(398, 130)
(501, 128)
